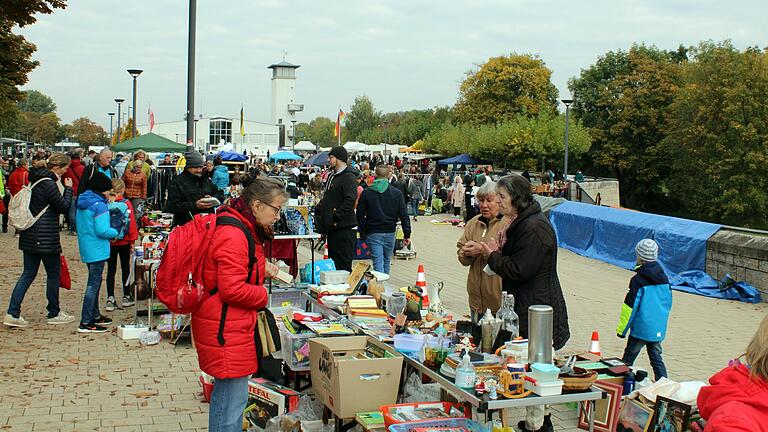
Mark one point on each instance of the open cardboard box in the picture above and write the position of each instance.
(347, 384)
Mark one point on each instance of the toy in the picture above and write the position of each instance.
(413, 305)
(492, 390)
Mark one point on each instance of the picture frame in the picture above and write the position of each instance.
(669, 416)
(606, 410)
(613, 362)
(634, 416)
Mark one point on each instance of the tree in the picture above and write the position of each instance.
(718, 138)
(319, 131)
(86, 132)
(35, 101)
(505, 87)
(16, 60)
(41, 128)
(362, 116)
(126, 133)
(624, 100)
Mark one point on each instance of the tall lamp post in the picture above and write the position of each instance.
(567, 103)
(191, 75)
(386, 138)
(111, 118)
(119, 118)
(135, 74)
(293, 129)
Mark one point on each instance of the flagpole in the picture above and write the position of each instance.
(338, 121)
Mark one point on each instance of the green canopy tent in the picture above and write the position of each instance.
(150, 143)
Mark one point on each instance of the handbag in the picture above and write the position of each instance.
(65, 280)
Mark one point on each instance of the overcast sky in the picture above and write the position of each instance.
(403, 54)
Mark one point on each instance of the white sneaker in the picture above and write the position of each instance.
(62, 318)
(10, 321)
(110, 304)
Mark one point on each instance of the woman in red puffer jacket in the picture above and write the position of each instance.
(737, 399)
(226, 348)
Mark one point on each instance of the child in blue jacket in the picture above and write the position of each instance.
(94, 233)
(646, 307)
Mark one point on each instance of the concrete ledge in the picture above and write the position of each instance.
(743, 255)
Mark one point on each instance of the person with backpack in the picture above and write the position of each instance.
(42, 203)
(94, 234)
(121, 247)
(224, 325)
(74, 172)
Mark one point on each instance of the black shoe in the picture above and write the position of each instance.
(91, 328)
(103, 320)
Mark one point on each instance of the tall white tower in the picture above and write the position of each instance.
(284, 106)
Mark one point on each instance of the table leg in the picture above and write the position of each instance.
(591, 416)
(312, 255)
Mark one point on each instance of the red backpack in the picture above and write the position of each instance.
(180, 275)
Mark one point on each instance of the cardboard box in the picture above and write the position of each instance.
(266, 400)
(347, 384)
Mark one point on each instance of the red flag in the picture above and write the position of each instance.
(151, 120)
(339, 118)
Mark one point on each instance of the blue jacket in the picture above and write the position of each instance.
(647, 304)
(93, 228)
(220, 178)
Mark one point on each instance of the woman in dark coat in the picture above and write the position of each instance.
(40, 242)
(525, 256)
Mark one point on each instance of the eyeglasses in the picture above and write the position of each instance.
(276, 209)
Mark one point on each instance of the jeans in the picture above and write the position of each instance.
(633, 348)
(415, 206)
(381, 246)
(228, 400)
(124, 253)
(73, 215)
(52, 264)
(91, 299)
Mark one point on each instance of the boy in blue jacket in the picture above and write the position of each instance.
(646, 307)
(94, 233)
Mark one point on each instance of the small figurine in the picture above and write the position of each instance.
(491, 386)
(480, 386)
(413, 304)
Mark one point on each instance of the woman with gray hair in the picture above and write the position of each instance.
(525, 256)
(484, 290)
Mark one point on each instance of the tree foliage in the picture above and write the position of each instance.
(86, 132)
(319, 131)
(16, 59)
(43, 128)
(523, 142)
(36, 101)
(505, 87)
(125, 133)
(362, 116)
(718, 138)
(624, 100)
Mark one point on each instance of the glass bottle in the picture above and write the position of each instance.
(465, 374)
(510, 320)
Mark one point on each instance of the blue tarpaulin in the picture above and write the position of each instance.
(698, 282)
(232, 156)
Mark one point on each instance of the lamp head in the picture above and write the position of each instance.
(110, 114)
(567, 101)
(135, 72)
(119, 100)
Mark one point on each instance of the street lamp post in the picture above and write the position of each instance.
(567, 103)
(111, 118)
(293, 141)
(119, 118)
(386, 138)
(191, 74)
(135, 74)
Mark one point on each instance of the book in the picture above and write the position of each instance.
(370, 420)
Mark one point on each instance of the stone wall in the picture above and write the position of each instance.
(608, 190)
(743, 255)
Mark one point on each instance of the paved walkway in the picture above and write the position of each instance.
(53, 378)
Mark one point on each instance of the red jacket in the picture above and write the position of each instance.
(226, 268)
(133, 230)
(18, 178)
(75, 172)
(734, 401)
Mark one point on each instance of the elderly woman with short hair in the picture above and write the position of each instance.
(484, 290)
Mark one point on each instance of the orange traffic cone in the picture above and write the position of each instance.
(594, 345)
(421, 282)
(325, 251)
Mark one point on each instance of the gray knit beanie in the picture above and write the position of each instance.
(647, 250)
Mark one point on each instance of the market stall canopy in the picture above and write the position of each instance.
(462, 159)
(304, 146)
(355, 146)
(284, 155)
(320, 159)
(418, 157)
(151, 143)
(232, 156)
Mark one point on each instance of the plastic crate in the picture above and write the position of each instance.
(445, 406)
(294, 349)
(288, 297)
(467, 424)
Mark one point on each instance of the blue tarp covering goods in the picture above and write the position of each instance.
(610, 235)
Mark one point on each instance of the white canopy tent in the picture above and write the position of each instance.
(304, 146)
(354, 146)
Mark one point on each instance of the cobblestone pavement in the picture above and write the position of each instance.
(53, 378)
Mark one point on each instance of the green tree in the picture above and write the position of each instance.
(41, 128)
(35, 101)
(624, 100)
(126, 133)
(86, 132)
(319, 131)
(16, 59)
(718, 138)
(505, 87)
(362, 116)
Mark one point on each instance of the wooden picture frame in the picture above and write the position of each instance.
(606, 410)
(670, 414)
(634, 416)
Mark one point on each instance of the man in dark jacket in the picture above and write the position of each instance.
(100, 164)
(378, 210)
(337, 209)
(187, 191)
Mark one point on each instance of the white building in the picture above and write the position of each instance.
(211, 132)
(284, 106)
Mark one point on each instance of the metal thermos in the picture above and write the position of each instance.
(540, 334)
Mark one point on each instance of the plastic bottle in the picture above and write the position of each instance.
(465, 374)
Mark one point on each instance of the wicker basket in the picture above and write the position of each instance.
(580, 379)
